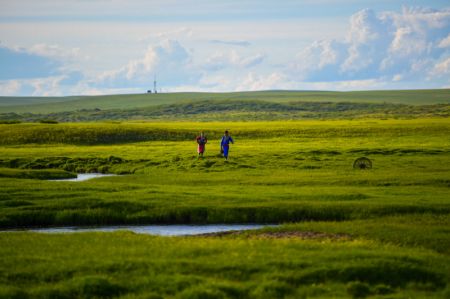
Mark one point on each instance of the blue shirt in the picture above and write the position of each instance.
(226, 140)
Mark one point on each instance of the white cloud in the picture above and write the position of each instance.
(176, 33)
(264, 82)
(445, 43)
(19, 63)
(346, 85)
(10, 87)
(39, 61)
(231, 59)
(174, 66)
(168, 60)
(321, 59)
(402, 46)
(397, 77)
(403, 49)
(442, 68)
(250, 61)
(54, 51)
(46, 86)
(241, 43)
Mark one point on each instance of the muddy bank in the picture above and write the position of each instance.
(305, 235)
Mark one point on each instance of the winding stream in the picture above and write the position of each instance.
(84, 177)
(160, 230)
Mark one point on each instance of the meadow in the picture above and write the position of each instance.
(277, 172)
(344, 233)
(74, 103)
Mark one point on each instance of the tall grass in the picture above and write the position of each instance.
(113, 133)
(137, 266)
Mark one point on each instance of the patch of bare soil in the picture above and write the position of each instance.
(304, 235)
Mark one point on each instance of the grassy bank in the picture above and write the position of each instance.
(45, 174)
(126, 265)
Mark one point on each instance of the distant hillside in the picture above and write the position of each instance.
(238, 110)
(47, 105)
(21, 101)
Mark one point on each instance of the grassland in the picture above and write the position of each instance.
(137, 266)
(240, 106)
(383, 232)
(62, 104)
(278, 172)
(208, 111)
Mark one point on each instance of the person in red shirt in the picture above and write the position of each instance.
(201, 141)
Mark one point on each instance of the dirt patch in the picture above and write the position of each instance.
(304, 235)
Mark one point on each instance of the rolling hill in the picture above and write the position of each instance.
(131, 101)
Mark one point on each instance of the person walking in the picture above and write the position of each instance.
(201, 141)
(225, 144)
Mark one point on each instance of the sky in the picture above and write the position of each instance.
(93, 47)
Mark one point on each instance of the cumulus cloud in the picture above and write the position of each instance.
(366, 43)
(405, 49)
(174, 65)
(401, 46)
(168, 61)
(319, 61)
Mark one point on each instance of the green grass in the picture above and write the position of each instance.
(238, 110)
(43, 174)
(277, 172)
(298, 173)
(137, 266)
(318, 132)
(427, 231)
(48, 105)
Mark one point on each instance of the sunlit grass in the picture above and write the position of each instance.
(297, 173)
(115, 264)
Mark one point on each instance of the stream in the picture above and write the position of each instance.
(160, 230)
(84, 177)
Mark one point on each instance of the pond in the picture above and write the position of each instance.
(160, 230)
(84, 177)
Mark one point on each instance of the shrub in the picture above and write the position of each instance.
(202, 293)
(48, 121)
(9, 122)
(358, 289)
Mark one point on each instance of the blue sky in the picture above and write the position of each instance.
(61, 47)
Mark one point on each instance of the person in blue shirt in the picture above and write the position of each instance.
(225, 144)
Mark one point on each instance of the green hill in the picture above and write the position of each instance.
(238, 110)
(131, 101)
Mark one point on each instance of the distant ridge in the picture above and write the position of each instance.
(130, 101)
